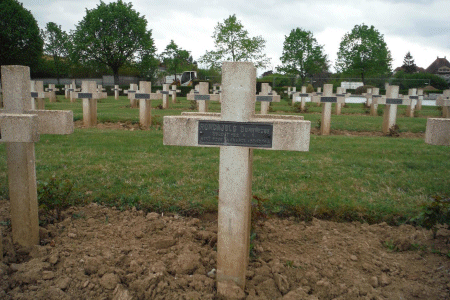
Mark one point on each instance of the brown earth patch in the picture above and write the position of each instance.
(98, 252)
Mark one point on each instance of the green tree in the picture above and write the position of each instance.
(233, 43)
(175, 59)
(20, 40)
(408, 64)
(112, 34)
(302, 55)
(362, 53)
(56, 44)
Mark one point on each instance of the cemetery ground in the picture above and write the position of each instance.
(331, 223)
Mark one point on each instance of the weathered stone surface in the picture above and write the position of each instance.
(438, 132)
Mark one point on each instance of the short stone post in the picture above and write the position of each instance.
(202, 97)
(419, 101)
(173, 93)
(291, 92)
(165, 95)
(116, 91)
(130, 92)
(265, 97)
(66, 91)
(236, 130)
(340, 93)
(412, 95)
(37, 97)
(438, 131)
(20, 127)
(73, 91)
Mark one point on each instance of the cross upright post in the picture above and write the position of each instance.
(444, 101)
(236, 130)
(66, 91)
(101, 92)
(341, 96)
(302, 97)
(173, 93)
(145, 95)
(374, 105)
(37, 95)
(327, 99)
(116, 92)
(413, 96)
(20, 127)
(392, 100)
(73, 91)
(419, 100)
(165, 95)
(89, 95)
(265, 97)
(51, 92)
(291, 92)
(130, 92)
(202, 97)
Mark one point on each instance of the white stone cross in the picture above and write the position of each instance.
(327, 99)
(302, 97)
(392, 100)
(89, 95)
(145, 95)
(236, 130)
(444, 101)
(51, 93)
(341, 96)
(101, 92)
(116, 91)
(413, 96)
(266, 96)
(20, 127)
(291, 92)
(66, 91)
(72, 91)
(130, 92)
(173, 93)
(37, 95)
(202, 97)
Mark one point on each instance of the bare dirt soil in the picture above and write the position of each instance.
(98, 252)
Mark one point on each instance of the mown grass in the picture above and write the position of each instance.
(370, 179)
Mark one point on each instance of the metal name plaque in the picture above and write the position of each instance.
(34, 94)
(165, 92)
(319, 94)
(340, 95)
(85, 95)
(131, 91)
(141, 96)
(394, 101)
(328, 99)
(243, 134)
(376, 96)
(413, 97)
(202, 97)
(264, 98)
(303, 95)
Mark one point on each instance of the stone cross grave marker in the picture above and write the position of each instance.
(89, 96)
(165, 95)
(173, 93)
(341, 96)
(291, 92)
(413, 97)
(37, 89)
(236, 130)
(375, 95)
(266, 96)
(116, 91)
(130, 92)
(66, 91)
(102, 92)
(327, 99)
(73, 90)
(202, 97)
(444, 101)
(145, 95)
(392, 100)
(51, 93)
(302, 97)
(20, 127)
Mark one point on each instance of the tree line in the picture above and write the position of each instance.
(112, 39)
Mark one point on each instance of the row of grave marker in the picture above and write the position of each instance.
(236, 130)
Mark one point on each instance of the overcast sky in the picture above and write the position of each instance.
(419, 26)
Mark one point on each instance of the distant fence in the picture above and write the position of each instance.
(105, 80)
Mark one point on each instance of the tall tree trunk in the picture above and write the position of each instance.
(116, 74)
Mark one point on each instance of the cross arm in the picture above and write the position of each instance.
(18, 128)
(287, 134)
(54, 121)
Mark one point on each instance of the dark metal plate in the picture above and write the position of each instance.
(328, 99)
(141, 96)
(319, 94)
(202, 97)
(243, 134)
(165, 92)
(340, 95)
(413, 97)
(376, 96)
(264, 98)
(34, 95)
(85, 95)
(394, 101)
(303, 95)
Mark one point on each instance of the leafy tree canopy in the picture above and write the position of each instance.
(112, 34)
(56, 44)
(363, 52)
(408, 64)
(232, 43)
(176, 59)
(302, 55)
(20, 41)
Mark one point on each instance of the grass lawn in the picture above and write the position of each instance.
(364, 178)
